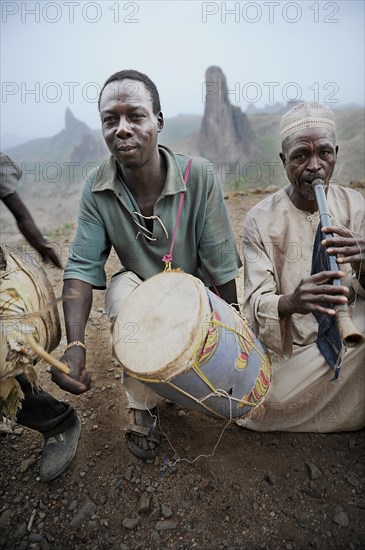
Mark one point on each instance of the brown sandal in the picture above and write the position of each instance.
(143, 423)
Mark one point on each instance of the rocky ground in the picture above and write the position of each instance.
(213, 485)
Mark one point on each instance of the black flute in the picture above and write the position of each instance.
(350, 336)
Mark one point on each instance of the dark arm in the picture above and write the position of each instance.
(77, 300)
(228, 293)
(29, 229)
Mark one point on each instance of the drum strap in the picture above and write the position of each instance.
(169, 257)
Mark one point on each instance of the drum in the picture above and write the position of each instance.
(189, 346)
(25, 291)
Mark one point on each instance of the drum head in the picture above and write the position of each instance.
(162, 326)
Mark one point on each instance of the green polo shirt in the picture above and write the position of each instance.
(108, 217)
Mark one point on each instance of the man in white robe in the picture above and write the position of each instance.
(281, 294)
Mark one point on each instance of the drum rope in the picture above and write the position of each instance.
(170, 464)
(177, 460)
(223, 325)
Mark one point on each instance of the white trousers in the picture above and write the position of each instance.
(304, 398)
(121, 286)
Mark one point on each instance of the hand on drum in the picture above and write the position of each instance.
(349, 247)
(78, 381)
(310, 294)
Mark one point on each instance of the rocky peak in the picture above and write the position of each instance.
(225, 135)
(74, 126)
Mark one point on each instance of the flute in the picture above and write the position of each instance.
(350, 336)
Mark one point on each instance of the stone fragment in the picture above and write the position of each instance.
(21, 531)
(144, 503)
(130, 523)
(271, 477)
(341, 519)
(87, 510)
(5, 516)
(128, 473)
(314, 472)
(24, 465)
(165, 511)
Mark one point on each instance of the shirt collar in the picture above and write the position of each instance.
(107, 176)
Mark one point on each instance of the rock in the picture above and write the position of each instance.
(24, 465)
(271, 477)
(144, 504)
(225, 134)
(165, 525)
(272, 189)
(352, 480)
(154, 515)
(314, 472)
(35, 537)
(128, 473)
(5, 516)
(21, 531)
(165, 511)
(87, 510)
(341, 518)
(73, 505)
(359, 469)
(130, 523)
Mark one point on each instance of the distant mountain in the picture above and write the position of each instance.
(274, 108)
(178, 127)
(59, 148)
(278, 107)
(245, 148)
(54, 170)
(11, 140)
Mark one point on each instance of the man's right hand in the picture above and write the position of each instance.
(79, 380)
(312, 292)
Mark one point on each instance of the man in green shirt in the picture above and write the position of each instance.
(130, 203)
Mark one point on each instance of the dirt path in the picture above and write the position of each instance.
(255, 491)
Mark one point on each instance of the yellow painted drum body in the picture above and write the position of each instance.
(189, 346)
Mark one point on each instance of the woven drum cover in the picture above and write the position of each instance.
(161, 324)
(25, 289)
(26, 313)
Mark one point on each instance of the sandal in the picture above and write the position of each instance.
(142, 423)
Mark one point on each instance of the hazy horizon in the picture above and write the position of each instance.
(56, 55)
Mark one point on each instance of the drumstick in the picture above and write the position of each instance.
(43, 354)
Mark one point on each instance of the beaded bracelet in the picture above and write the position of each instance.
(75, 343)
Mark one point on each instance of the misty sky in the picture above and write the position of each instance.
(58, 54)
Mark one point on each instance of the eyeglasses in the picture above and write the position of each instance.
(146, 232)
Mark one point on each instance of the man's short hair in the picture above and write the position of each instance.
(130, 74)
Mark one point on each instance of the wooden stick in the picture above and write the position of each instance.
(43, 354)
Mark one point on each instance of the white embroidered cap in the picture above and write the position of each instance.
(306, 115)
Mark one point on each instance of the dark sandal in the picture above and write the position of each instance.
(144, 429)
